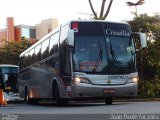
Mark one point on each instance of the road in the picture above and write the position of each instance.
(93, 110)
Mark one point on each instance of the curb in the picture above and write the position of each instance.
(136, 100)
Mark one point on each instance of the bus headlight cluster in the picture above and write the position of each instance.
(133, 80)
(81, 80)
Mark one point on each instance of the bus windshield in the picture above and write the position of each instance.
(8, 79)
(91, 55)
(106, 53)
(8, 70)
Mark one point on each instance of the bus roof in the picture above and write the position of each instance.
(57, 29)
(102, 21)
(7, 65)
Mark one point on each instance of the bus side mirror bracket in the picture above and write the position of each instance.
(70, 39)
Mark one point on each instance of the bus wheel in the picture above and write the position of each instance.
(59, 100)
(108, 101)
(30, 100)
(26, 95)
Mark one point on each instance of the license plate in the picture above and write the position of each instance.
(108, 91)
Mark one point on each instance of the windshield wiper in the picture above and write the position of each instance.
(98, 59)
(114, 57)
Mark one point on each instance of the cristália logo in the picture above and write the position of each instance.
(111, 32)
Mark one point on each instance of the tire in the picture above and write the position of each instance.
(30, 100)
(59, 100)
(108, 101)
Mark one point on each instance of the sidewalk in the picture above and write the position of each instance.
(135, 99)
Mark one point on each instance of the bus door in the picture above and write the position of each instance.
(66, 66)
(65, 58)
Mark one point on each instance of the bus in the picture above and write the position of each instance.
(8, 81)
(81, 60)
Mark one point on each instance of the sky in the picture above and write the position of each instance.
(31, 12)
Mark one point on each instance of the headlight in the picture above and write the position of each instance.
(133, 80)
(81, 80)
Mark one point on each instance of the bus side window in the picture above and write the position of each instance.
(37, 53)
(30, 57)
(26, 60)
(45, 48)
(53, 47)
(22, 62)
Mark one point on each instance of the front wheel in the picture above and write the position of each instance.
(108, 101)
(30, 100)
(60, 101)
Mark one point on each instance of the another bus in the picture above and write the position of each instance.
(81, 60)
(8, 81)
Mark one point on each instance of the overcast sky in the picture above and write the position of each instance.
(31, 12)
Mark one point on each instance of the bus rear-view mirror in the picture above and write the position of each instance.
(143, 40)
(70, 39)
(140, 40)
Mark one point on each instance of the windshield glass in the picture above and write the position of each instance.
(9, 69)
(103, 48)
(8, 79)
(92, 55)
(121, 55)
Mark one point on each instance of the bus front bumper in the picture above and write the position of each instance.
(101, 91)
(12, 97)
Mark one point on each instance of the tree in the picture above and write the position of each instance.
(102, 16)
(140, 2)
(150, 65)
(151, 26)
(11, 50)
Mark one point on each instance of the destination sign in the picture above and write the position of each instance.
(111, 32)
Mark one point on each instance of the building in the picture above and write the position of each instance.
(31, 33)
(15, 33)
(7, 34)
(3, 37)
(28, 32)
(45, 27)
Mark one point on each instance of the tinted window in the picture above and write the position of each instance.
(22, 62)
(37, 53)
(9, 69)
(45, 47)
(64, 32)
(30, 57)
(90, 54)
(26, 60)
(53, 47)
